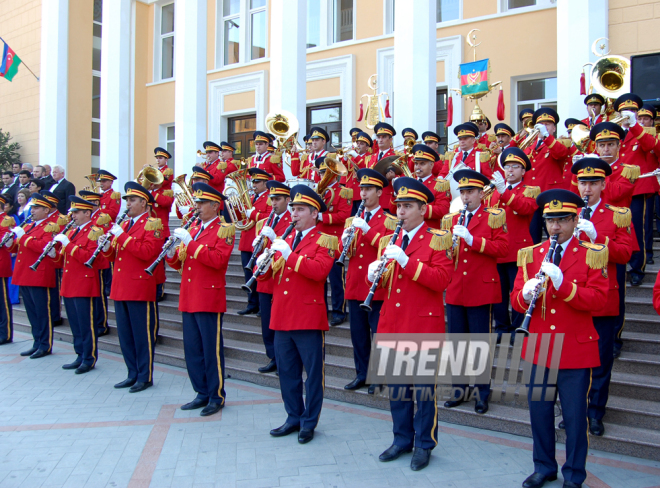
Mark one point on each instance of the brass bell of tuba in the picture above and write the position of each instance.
(150, 177)
(93, 183)
(237, 191)
(285, 127)
(184, 198)
(335, 168)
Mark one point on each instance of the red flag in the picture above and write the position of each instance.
(361, 113)
(500, 105)
(450, 110)
(387, 109)
(583, 88)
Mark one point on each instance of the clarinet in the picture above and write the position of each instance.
(260, 245)
(524, 327)
(576, 232)
(90, 261)
(171, 241)
(50, 246)
(10, 235)
(350, 237)
(366, 306)
(461, 220)
(269, 253)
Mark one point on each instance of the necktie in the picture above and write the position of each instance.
(469, 217)
(510, 187)
(130, 224)
(201, 229)
(380, 155)
(406, 241)
(73, 236)
(367, 217)
(538, 144)
(254, 198)
(297, 240)
(277, 219)
(556, 259)
(587, 213)
(465, 154)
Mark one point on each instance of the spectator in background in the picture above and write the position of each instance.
(62, 188)
(15, 168)
(10, 187)
(23, 204)
(28, 167)
(10, 209)
(48, 179)
(35, 186)
(24, 177)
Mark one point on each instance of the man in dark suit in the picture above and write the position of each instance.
(62, 188)
(43, 174)
(24, 177)
(15, 168)
(9, 188)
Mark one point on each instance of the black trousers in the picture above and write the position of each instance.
(37, 307)
(410, 428)
(6, 312)
(268, 335)
(337, 285)
(638, 259)
(205, 357)
(55, 305)
(136, 327)
(504, 322)
(100, 307)
(80, 312)
(601, 376)
(253, 297)
(621, 319)
(107, 279)
(363, 326)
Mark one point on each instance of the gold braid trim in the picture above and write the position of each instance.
(95, 233)
(441, 185)
(622, 216)
(115, 195)
(328, 241)
(259, 226)
(497, 217)
(631, 172)
(349, 222)
(390, 222)
(650, 131)
(441, 240)
(382, 244)
(532, 191)
(278, 265)
(276, 158)
(63, 220)
(183, 252)
(303, 158)
(226, 230)
(346, 193)
(168, 172)
(8, 221)
(168, 193)
(153, 224)
(597, 255)
(51, 227)
(484, 156)
(447, 220)
(103, 219)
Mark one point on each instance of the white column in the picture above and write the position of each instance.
(53, 84)
(586, 21)
(190, 90)
(414, 65)
(115, 91)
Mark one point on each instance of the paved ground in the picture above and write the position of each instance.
(62, 429)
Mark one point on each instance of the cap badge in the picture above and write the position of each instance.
(556, 205)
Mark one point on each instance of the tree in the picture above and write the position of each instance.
(8, 151)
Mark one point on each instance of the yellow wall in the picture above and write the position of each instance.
(369, 15)
(634, 27)
(323, 88)
(143, 75)
(477, 8)
(239, 101)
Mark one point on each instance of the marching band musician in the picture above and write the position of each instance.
(358, 157)
(299, 269)
(261, 207)
(432, 140)
(80, 285)
(573, 151)
(302, 166)
(370, 227)
(409, 137)
(263, 159)
(35, 286)
(424, 159)
(162, 157)
(331, 222)
(161, 208)
(646, 118)
(484, 125)
(475, 286)
(109, 198)
(575, 284)
(594, 103)
(610, 226)
(55, 302)
(503, 140)
(467, 153)
(134, 245)
(214, 165)
(384, 133)
(7, 223)
(525, 117)
(417, 275)
(199, 175)
(280, 198)
(519, 202)
(202, 257)
(223, 168)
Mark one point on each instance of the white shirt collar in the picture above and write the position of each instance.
(305, 232)
(595, 206)
(204, 226)
(564, 246)
(513, 185)
(472, 211)
(426, 178)
(412, 233)
(81, 227)
(135, 219)
(372, 212)
(281, 216)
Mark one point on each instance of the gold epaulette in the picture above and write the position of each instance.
(52, 227)
(565, 141)
(260, 225)
(275, 158)
(168, 193)
(497, 217)
(103, 219)
(346, 193)
(226, 230)
(449, 155)
(441, 185)
(328, 241)
(63, 219)
(115, 195)
(382, 244)
(154, 224)
(269, 202)
(631, 172)
(481, 147)
(390, 222)
(303, 158)
(349, 222)
(8, 221)
(183, 252)
(621, 215)
(597, 255)
(95, 233)
(484, 156)
(650, 131)
(526, 254)
(279, 264)
(168, 172)
(441, 240)
(447, 220)
(532, 191)
(222, 165)
(332, 155)
(492, 138)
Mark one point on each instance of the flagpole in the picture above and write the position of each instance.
(30, 70)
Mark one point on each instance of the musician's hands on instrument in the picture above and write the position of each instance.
(10, 242)
(282, 246)
(62, 239)
(588, 228)
(51, 254)
(171, 252)
(184, 209)
(371, 271)
(500, 184)
(344, 237)
(632, 117)
(104, 242)
(361, 224)
(18, 232)
(352, 153)
(542, 130)
(183, 235)
(529, 287)
(249, 211)
(260, 260)
(554, 273)
(268, 232)
(116, 230)
(462, 232)
(395, 252)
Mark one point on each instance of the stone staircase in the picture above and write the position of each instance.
(632, 422)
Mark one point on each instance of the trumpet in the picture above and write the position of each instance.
(51, 244)
(171, 241)
(351, 236)
(533, 134)
(119, 221)
(10, 235)
(269, 253)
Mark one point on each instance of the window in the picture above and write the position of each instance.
(169, 142)
(257, 29)
(328, 117)
(240, 135)
(511, 4)
(313, 23)
(447, 10)
(167, 41)
(232, 31)
(343, 20)
(441, 118)
(96, 85)
(534, 94)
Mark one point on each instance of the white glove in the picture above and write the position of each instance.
(588, 228)
(555, 274)
(396, 253)
(262, 257)
(281, 246)
(344, 237)
(361, 224)
(10, 243)
(116, 230)
(320, 217)
(105, 241)
(18, 232)
(171, 252)
(268, 232)
(183, 235)
(500, 184)
(632, 116)
(542, 129)
(249, 211)
(51, 254)
(529, 287)
(461, 231)
(372, 270)
(352, 153)
(184, 210)
(62, 239)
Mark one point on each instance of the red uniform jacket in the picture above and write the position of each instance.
(364, 251)
(6, 224)
(163, 200)
(28, 250)
(110, 203)
(262, 208)
(386, 198)
(413, 300)
(339, 209)
(482, 167)
(600, 118)
(350, 181)
(133, 252)
(613, 230)
(520, 205)
(547, 164)
(267, 286)
(635, 149)
(298, 294)
(219, 170)
(168, 177)
(568, 310)
(306, 169)
(77, 279)
(203, 264)
(104, 221)
(264, 162)
(475, 280)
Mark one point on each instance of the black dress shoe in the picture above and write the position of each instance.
(650, 260)
(420, 459)
(259, 314)
(140, 386)
(84, 368)
(58, 322)
(211, 409)
(5, 341)
(73, 365)
(305, 435)
(481, 406)
(636, 280)
(337, 319)
(127, 383)
(562, 425)
(284, 429)
(617, 352)
(570, 484)
(355, 384)
(103, 332)
(162, 297)
(196, 403)
(393, 452)
(453, 403)
(537, 480)
(372, 389)
(248, 311)
(596, 427)
(269, 368)
(29, 352)
(40, 353)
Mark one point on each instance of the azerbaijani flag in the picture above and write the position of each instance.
(10, 62)
(474, 78)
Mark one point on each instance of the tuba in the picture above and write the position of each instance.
(93, 183)
(400, 167)
(184, 198)
(335, 168)
(285, 127)
(150, 177)
(237, 191)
